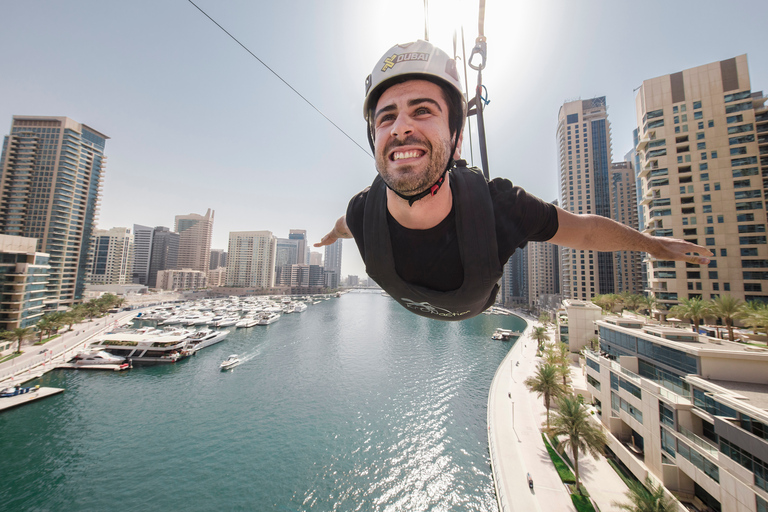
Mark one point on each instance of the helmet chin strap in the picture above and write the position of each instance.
(435, 187)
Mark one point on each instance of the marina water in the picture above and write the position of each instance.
(355, 404)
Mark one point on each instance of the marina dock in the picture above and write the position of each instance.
(13, 401)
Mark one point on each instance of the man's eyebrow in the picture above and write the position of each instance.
(411, 103)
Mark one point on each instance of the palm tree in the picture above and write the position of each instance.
(649, 303)
(559, 357)
(19, 334)
(580, 434)
(632, 301)
(693, 309)
(546, 383)
(540, 335)
(728, 309)
(544, 319)
(647, 498)
(756, 316)
(43, 325)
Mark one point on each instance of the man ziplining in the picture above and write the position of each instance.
(433, 233)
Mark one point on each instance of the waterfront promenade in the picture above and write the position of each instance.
(38, 359)
(515, 419)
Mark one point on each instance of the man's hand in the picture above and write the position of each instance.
(340, 230)
(673, 249)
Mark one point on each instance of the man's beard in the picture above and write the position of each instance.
(410, 180)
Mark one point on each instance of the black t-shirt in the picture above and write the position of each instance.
(431, 257)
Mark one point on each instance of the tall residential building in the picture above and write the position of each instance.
(634, 158)
(584, 150)
(702, 131)
(332, 263)
(543, 271)
(301, 236)
(688, 409)
(218, 259)
(142, 250)
(51, 171)
(23, 276)
(112, 261)
(165, 253)
(627, 264)
(287, 254)
(316, 258)
(251, 259)
(514, 281)
(195, 233)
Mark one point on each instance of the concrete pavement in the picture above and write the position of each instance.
(515, 419)
(36, 360)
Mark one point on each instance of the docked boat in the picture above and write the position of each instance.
(268, 318)
(247, 321)
(299, 307)
(17, 390)
(505, 334)
(227, 321)
(205, 338)
(97, 358)
(231, 362)
(141, 349)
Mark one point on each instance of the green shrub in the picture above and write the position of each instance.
(582, 503)
(565, 473)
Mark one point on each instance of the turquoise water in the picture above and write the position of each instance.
(354, 404)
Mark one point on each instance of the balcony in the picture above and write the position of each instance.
(700, 442)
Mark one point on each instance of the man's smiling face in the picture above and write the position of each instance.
(412, 137)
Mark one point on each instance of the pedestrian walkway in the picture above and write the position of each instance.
(36, 360)
(515, 419)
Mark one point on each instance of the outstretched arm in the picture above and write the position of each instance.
(340, 230)
(596, 233)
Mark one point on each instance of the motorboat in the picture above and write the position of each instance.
(247, 321)
(232, 361)
(299, 307)
(268, 318)
(17, 390)
(97, 357)
(205, 338)
(227, 321)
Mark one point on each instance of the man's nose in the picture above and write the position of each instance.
(402, 126)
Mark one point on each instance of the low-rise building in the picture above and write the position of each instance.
(576, 327)
(690, 410)
(184, 279)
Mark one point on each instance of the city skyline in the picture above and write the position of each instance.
(195, 122)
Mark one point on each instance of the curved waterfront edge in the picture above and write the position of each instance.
(496, 466)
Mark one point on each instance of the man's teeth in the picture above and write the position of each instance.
(407, 154)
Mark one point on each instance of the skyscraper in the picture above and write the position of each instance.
(627, 273)
(584, 150)
(112, 261)
(251, 259)
(287, 254)
(701, 149)
(51, 171)
(164, 254)
(332, 263)
(218, 259)
(142, 249)
(514, 281)
(301, 236)
(23, 275)
(195, 233)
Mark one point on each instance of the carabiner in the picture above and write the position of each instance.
(482, 49)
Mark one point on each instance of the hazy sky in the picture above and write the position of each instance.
(196, 122)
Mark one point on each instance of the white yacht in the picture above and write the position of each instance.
(268, 318)
(231, 362)
(142, 349)
(247, 321)
(228, 320)
(97, 358)
(299, 307)
(205, 338)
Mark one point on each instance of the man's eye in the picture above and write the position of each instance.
(386, 119)
(422, 110)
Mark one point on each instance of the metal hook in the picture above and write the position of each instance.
(480, 48)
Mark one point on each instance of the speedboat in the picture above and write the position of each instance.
(17, 390)
(299, 307)
(247, 321)
(232, 361)
(96, 358)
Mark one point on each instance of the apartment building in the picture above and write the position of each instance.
(251, 259)
(703, 141)
(112, 261)
(584, 154)
(195, 233)
(51, 172)
(23, 279)
(689, 410)
(627, 274)
(183, 279)
(332, 264)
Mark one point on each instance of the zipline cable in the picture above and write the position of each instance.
(479, 102)
(281, 79)
(466, 88)
(426, 20)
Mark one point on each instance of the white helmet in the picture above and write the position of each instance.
(420, 59)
